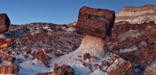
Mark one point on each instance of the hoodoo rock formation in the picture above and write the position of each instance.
(4, 22)
(95, 24)
(137, 15)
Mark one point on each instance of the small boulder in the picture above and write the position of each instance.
(86, 56)
(6, 57)
(5, 43)
(63, 69)
(41, 56)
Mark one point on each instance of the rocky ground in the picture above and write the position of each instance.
(36, 44)
(33, 46)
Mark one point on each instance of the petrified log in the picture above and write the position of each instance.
(10, 70)
(4, 22)
(96, 22)
(119, 67)
(151, 69)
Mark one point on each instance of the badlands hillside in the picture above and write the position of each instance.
(137, 14)
(85, 47)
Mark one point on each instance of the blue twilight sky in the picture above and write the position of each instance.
(58, 11)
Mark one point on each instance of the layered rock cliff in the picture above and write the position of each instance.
(137, 15)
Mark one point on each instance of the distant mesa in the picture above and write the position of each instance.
(4, 23)
(137, 15)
